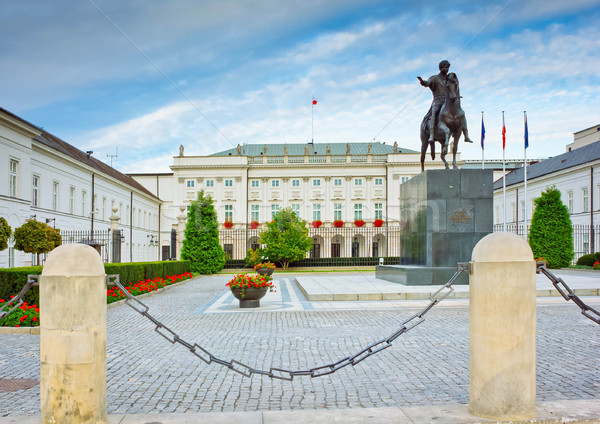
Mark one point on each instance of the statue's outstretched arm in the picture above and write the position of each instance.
(423, 82)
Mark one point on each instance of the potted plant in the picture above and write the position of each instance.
(228, 224)
(359, 222)
(338, 223)
(249, 289)
(317, 223)
(378, 223)
(254, 225)
(265, 268)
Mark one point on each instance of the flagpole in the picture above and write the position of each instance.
(482, 139)
(504, 171)
(312, 121)
(525, 146)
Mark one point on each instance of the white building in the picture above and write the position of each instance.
(48, 179)
(576, 174)
(324, 182)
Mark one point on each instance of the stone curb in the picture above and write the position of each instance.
(36, 330)
(572, 411)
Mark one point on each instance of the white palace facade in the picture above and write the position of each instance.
(320, 182)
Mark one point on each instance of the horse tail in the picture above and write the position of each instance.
(432, 148)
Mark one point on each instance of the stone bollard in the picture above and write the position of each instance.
(73, 336)
(502, 303)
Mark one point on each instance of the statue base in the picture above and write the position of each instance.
(416, 275)
(445, 213)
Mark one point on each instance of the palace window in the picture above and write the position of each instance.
(13, 178)
(210, 183)
(358, 181)
(83, 203)
(190, 183)
(358, 211)
(228, 183)
(378, 181)
(35, 191)
(295, 183)
(274, 210)
(72, 200)
(316, 211)
(274, 183)
(570, 201)
(296, 209)
(586, 199)
(254, 213)
(405, 179)
(337, 182)
(337, 211)
(316, 182)
(378, 210)
(255, 183)
(55, 187)
(229, 213)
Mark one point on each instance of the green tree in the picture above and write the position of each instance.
(201, 243)
(551, 232)
(285, 238)
(5, 232)
(36, 237)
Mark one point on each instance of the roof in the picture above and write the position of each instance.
(65, 148)
(576, 157)
(337, 149)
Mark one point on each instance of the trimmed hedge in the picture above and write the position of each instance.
(324, 262)
(589, 260)
(12, 280)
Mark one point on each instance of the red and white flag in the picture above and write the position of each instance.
(503, 133)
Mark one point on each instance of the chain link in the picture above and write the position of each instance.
(280, 373)
(568, 294)
(32, 280)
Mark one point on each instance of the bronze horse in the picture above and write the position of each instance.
(451, 122)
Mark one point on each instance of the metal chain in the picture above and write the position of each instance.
(568, 294)
(32, 280)
(284, 374)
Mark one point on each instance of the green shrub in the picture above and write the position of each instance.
(12, 281)
(589, 260)
(551, 232)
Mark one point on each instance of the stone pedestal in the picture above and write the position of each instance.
(445, 213)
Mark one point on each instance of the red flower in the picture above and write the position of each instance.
(378, 223)
(317, 223)
(338, 223)
(23, 318)
(359, 222)
(254, 225)
(228, 224)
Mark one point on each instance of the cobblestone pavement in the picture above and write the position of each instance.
(427, 366)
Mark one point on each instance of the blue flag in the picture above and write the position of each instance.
(482, 131)
(526, 133)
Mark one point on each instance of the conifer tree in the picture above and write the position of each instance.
(551, 232)
(201, 243)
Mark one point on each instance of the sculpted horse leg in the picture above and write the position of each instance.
(446, 132)
(455, 149)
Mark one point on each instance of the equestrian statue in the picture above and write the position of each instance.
(445, 117)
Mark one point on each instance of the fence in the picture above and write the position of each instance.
(582, 237)
(331, 246)
(101, 240)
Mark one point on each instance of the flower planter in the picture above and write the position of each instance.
(252, 296)
(317, 223)
(265, 271)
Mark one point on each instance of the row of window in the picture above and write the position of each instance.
(316, 182)
(140, 218)
(316, 211)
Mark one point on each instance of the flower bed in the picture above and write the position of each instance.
(317, 223)
(228, 224)
(359, 222)
(114, 294)
(29, 315)
(24, 316)
(338, 223)
(378, 222)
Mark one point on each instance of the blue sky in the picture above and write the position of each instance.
(212, 74)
